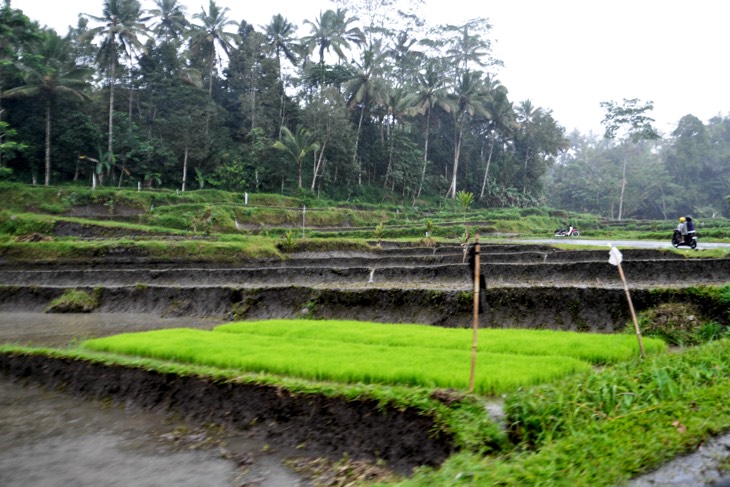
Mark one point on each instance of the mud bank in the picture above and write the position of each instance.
(528, 286)
(360, 429)
(561, 308)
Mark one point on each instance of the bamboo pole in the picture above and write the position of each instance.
(475, 324)
(631, 308)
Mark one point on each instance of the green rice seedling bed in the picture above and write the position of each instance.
(352, 352)
(594, 348)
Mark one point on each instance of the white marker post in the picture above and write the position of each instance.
(615, 258)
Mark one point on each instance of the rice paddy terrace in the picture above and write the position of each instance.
(527, 285)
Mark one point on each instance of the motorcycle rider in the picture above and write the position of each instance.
(682, 229)
(689, 227)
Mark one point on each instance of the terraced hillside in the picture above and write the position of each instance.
(527, 285)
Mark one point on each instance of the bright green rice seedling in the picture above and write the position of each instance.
(353, 352)
(327, 360)
(593, 348)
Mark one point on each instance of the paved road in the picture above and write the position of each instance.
(642, 244)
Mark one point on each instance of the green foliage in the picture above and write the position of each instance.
(288, 243)
(684, 323)
(23, 224)
(75, 301)
(379, 231)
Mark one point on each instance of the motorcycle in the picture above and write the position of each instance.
(690, 240)
(570, 232)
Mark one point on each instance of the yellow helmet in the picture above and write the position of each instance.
(681, 218)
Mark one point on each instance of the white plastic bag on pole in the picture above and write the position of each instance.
(614, 256)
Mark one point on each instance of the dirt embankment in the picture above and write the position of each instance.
(361, 428)
(527, 286)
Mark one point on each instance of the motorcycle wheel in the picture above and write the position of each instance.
(693, 243)
(675, 243)
(576, 233)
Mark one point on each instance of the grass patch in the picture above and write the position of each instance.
(605, 427)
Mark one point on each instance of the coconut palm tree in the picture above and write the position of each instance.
(468, 100)
(526, 113)
(500, 123)
(120, 32)
(48, 75)
(279, 35)
(206, 39)
(331, 31)
(399, 103)
(171, 22)
(431, 94)
(297, 145)
(365, 88)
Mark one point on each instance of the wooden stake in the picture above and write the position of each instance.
(631, 308)
(475, 325)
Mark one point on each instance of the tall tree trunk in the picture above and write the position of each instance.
(299, 173)
(623, 188)
(210, 81)
(391, 152)
(318, 164)
(110, 146)
(185, 168)
(48, 142)
(357, 142)
(457, 152)
(425, 155)
(486, 170)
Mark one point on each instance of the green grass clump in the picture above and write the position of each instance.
(75, 301)
(606, 427)
(593, 348)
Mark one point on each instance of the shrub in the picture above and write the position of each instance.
(75, 301)
(679, 324)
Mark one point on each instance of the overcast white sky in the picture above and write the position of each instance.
(564, 55)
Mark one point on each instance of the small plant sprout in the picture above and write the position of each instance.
(464, 199)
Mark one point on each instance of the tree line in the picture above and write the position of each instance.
(363, 101)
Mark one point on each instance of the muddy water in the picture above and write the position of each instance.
(53, 439)
(61, 330)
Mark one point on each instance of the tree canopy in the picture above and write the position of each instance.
(394, 110)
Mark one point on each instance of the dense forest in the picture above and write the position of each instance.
(363, 102)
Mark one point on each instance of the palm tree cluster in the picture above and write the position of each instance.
(355, 107)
